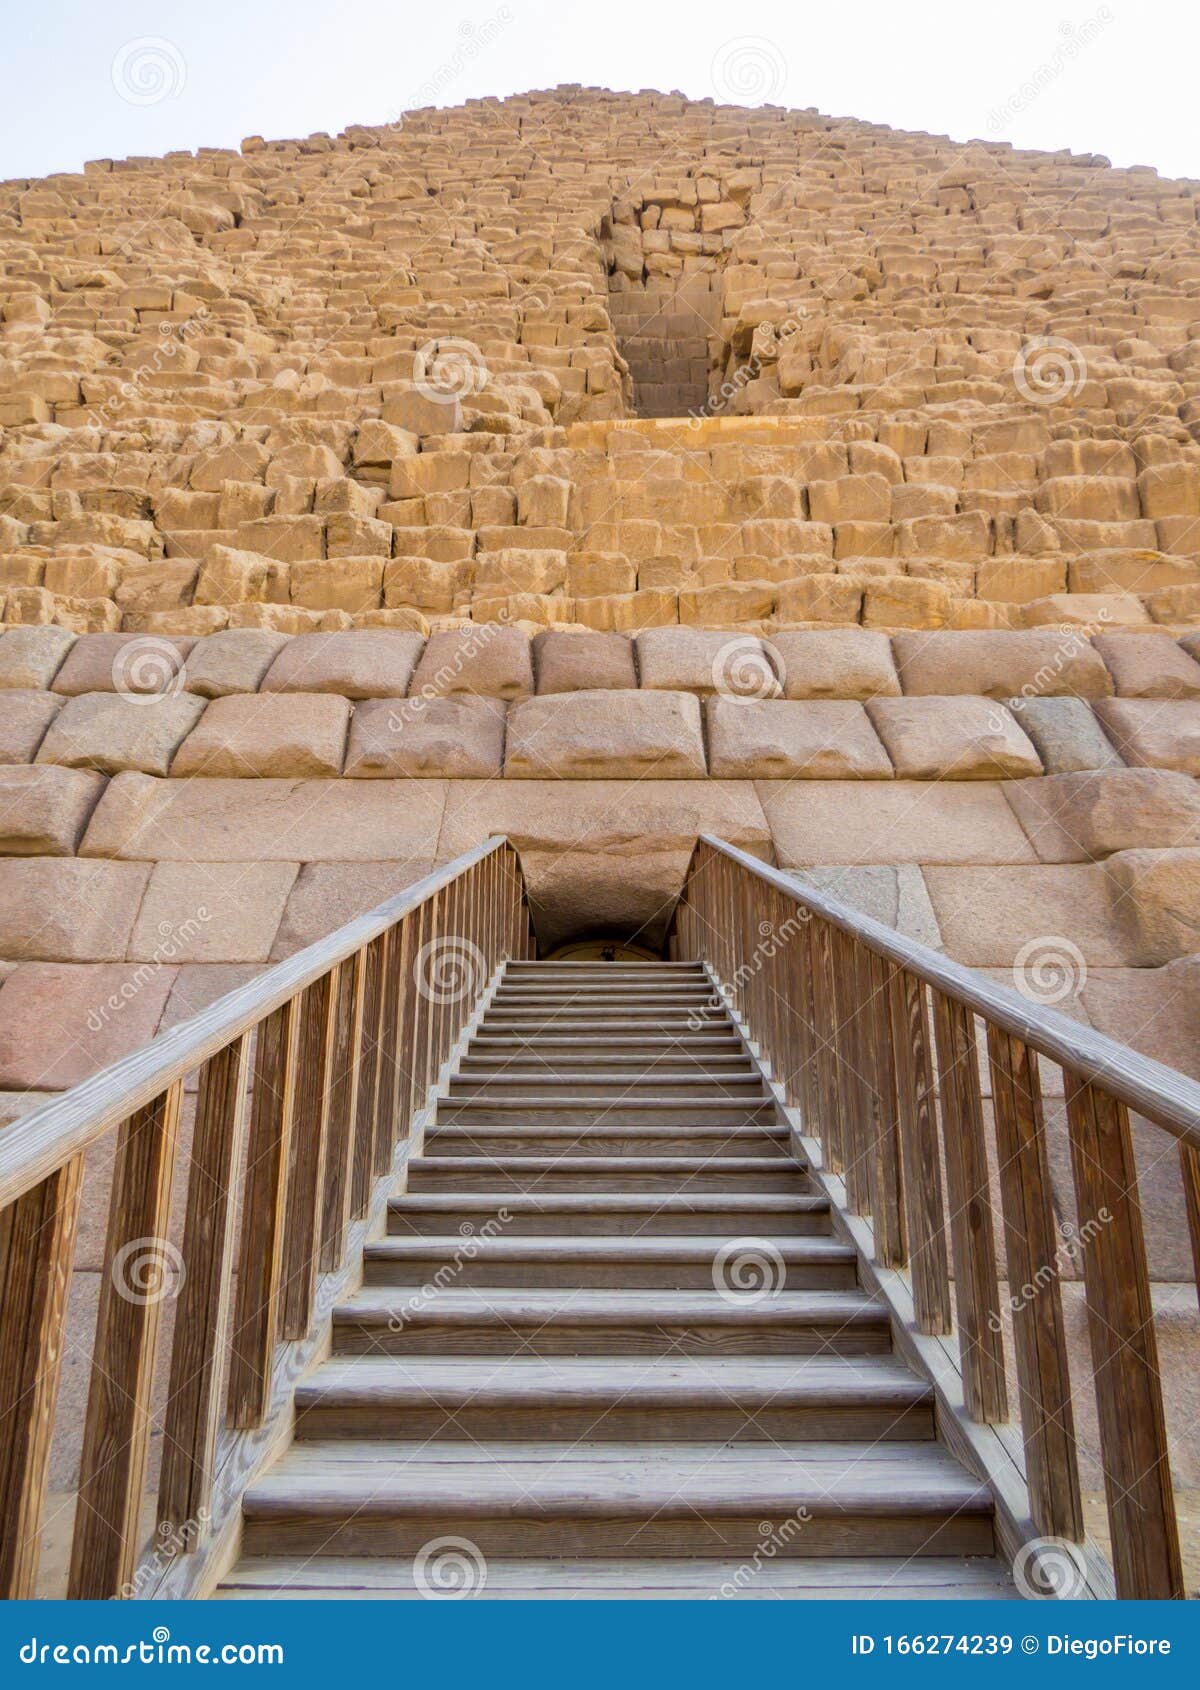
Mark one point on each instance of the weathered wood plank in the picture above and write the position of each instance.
(306, 1176)
(254, 1320)
(37, 1239)
(1034, 1269)
(976, 1287)
(140, 1272)
(1128, 1385)
(192, 1419)
(343, 1109)
(925, 1211)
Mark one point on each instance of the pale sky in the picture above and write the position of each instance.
(86, 80)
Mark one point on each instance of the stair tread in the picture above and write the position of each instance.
(618, 1248)
(617, 1202)
(536, 1479)
(616, 1305)
(826, 1578)
(560, 1380)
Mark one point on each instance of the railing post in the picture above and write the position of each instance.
(306, 1176)
(37, 1242)
(1133, 1434)
(827, 1056)
(252, 1342)
(1039, 1337)
(135, 1282)
(887, 1175)
(921, 1161)
(363, 1154)
(343, 1108)
(976, 1288)
(193, 1413)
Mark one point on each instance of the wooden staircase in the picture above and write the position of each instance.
(611, 1343)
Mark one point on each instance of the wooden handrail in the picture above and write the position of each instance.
(309, 1079)
(1163, 1095)
(873, 1039)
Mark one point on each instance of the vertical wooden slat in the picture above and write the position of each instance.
(1133, 1434)
(417, 976)
(405, 1017)
(842, 1040)
(1039, 1337)
(136, 1279)
(252, 1340)
(387, 1127)
(976, 1287)
(362, 1155)
(343, 1109)
(306, 1173)
(193, 1412)
(887, 1172)
(1189, 1168)
(924, 1207)
(827, 1060)
(37, 1241)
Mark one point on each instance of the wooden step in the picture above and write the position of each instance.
(661, 1399)
(626, 1263)
(586, 1109)
(346, 1497)
(496, 1086)
(537, 1139)
(769, 1578)
(600, 1174)
(588, 1214)
(454, 1320)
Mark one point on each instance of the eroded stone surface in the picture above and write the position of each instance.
(606, 736)
(111, 731)
(267, 735)
(952, 739)
(457, 738)
(781, 739)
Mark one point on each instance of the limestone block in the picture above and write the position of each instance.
(778, 739)
(55, 909)
(961, 538)
(593, 574)
(835, 663)
(248, 736)
(112, 731)
(223, 912)
(1158, 894)
(43, 811)
(1170, 490)
(1087, 611)
(427, 583)
(339, 583)
(415, 413)
(1065, 734)
(227, 821)
(25, 714)
(1019, 918)
(725, 604)
(459, 738)
(543, 499)
(1000, 664)
(583, 662)
(515, 569)
(60, 1022)
(1077, 817)
(232, 661)
(896, 896)
(31, 657)
(962, 738)
(596, 735)
(378, 442)
(1149, 666)
(144, 664)
(905, 602)
(864, 498)
(1154, 733)
(1098, 498)
(892, 822)
(706, 661)
(485, 658)
(819, 598)
(327, 895)
(230, 576)
(364, 663)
